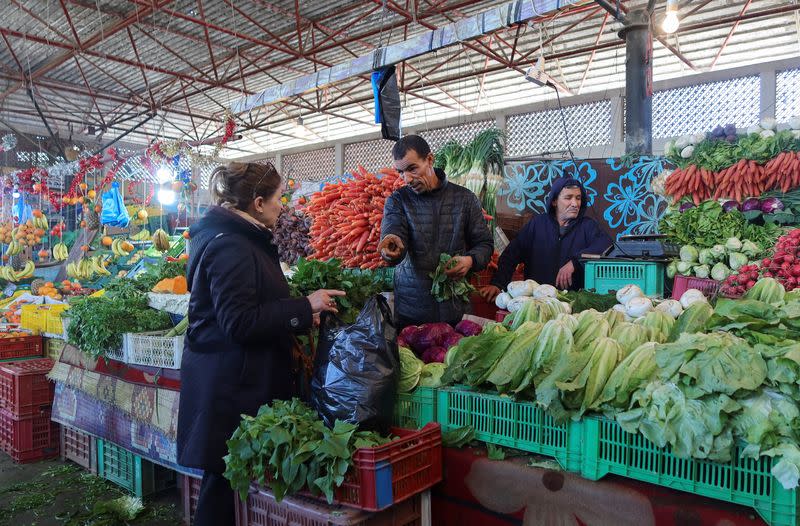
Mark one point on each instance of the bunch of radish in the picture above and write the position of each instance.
(740, 282)
(784, 265)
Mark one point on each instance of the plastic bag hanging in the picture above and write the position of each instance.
(114, 212)
(22, 211)
(356, 368)
(387, 102)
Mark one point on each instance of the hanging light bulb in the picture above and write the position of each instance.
(671, 21)
(164, 174)
(300, 128)
(166, 196)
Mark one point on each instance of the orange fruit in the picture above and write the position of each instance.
(92, 194)
(37, 213)
(85, 248)
(83, 186)
(107, 241)
(185, 234)
(65, 200)
(97, 209)
(183, 257)
(142, 214)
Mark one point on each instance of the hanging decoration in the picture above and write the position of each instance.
(8, 142)
(163, 151)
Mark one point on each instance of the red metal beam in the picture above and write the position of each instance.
(141, 70)
(208, 39)
(36, 17)
(591, 57)
(89, 89)
(104, 33)
(173, 53)
(730, 34)
(69, 21)
(86, 52)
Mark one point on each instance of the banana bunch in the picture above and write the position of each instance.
(9, 274)
(60, 252)
(41, 222)
(116, 248)
(161, 240)
(142, 235)
(87, 268)
(14, 248)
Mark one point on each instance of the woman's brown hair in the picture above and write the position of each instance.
(240, 183)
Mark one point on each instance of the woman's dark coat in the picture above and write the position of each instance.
(237, 353)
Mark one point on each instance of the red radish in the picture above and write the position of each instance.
(768, 274)
(751, 284)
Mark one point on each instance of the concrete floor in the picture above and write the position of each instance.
(57, 493)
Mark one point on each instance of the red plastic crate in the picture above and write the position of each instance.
(79, 447)
(388, 474)
(190, 492)
(261, 509)
(415, 461)
(708, 287)
(21, 347)
(482, 308)
(28, 438)
(24, 386)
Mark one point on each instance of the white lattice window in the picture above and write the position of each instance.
(315, 165)
(699, 108)
(372, 155)
(204, 171)
(265, 160)
(462, 133)
(543, 131)
(787, 94)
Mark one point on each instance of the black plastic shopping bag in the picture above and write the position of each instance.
(356, 368)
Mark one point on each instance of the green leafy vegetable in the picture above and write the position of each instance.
(360, 286)
(458, 437)
(447, 289)
(287, 447)
(97, 324)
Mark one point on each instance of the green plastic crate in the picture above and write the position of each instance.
(604, 276)
(133, 473)
(502, 421)
(608, 449)
(415, 409)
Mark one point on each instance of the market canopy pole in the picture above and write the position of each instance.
(638, 39)
(470, 28)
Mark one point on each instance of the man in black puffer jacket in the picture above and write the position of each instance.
(423, 220)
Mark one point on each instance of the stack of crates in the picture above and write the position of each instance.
(26, 401)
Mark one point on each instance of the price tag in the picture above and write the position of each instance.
(9, 290)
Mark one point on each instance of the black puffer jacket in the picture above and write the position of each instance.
(447, 220)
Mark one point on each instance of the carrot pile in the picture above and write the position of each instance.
(739, 181)
(347, 218)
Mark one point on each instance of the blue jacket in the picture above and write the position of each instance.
(543, 250)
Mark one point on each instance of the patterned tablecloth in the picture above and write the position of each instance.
(77, 408)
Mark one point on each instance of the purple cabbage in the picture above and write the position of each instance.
(430, 335)
(750, 204)
(452, 340)
(434, 354)
(770, 205)
(407, 336)
(731, 205)
(686, 206)
(468, 328)
(730, 129)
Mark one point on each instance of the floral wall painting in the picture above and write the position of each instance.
(619, 191)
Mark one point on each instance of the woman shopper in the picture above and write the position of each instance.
(238, 350)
